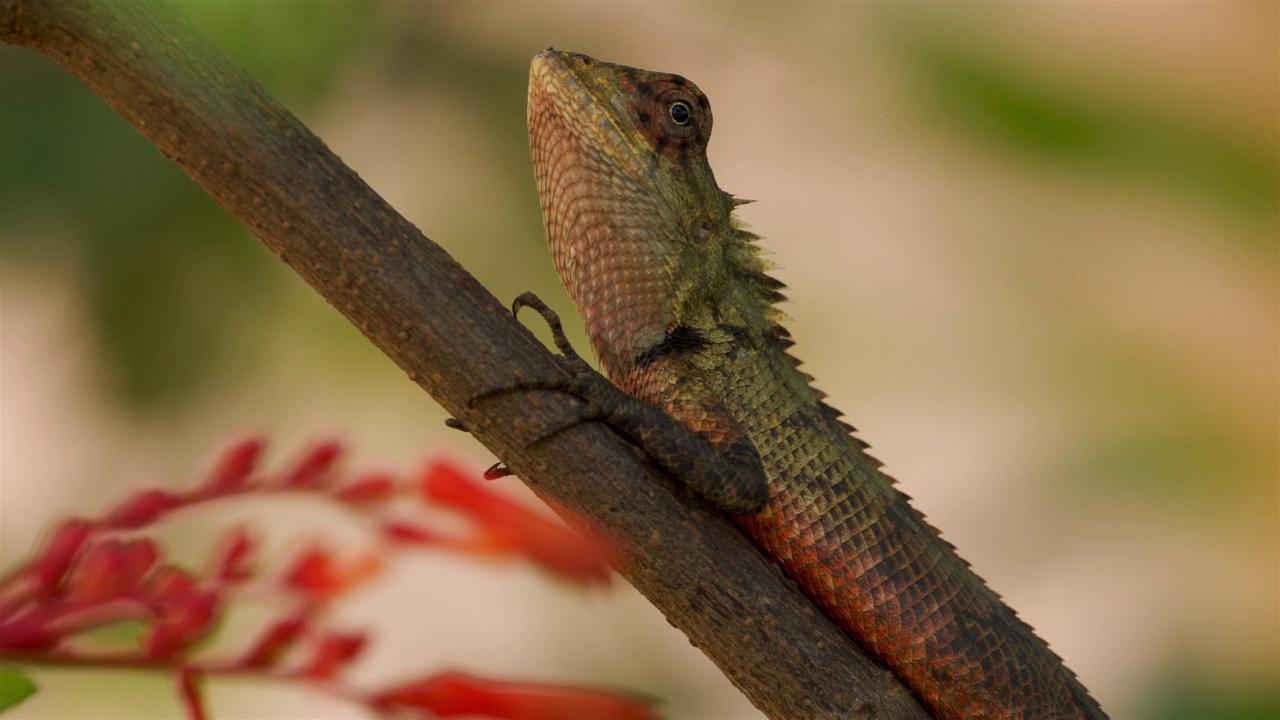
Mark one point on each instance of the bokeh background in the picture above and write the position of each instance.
(1032, 251)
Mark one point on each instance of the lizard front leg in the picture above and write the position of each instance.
(731, 476)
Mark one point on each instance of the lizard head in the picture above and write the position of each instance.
(642, 237)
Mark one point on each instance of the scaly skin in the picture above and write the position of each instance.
(680, 314)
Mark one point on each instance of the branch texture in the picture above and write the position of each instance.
(452, 337)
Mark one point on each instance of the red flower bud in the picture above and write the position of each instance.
(399, 531)
(314, 468)
(181, 623)
(137, 557)
(28, 632)
(98, 573)
(506, 524)
(233, 557)
(455, 693)
(371, 488)
(142, 508)
(335, 652)
(444, 483)
(234, 467)
(312, 572)
(59, 551)
(275, 642)
(318, 574)
(170, 585)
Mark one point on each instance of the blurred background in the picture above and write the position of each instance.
(1032, 253)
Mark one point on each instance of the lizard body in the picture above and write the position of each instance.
(681, 315)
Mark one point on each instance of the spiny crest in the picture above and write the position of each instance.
(755, 269)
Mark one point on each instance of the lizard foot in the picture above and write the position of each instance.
(734, 480)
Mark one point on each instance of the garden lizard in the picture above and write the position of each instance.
(681, 315)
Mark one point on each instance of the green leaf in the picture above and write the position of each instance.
(15, 687)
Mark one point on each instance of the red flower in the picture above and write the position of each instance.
(30, 631)
(233, 558)
(63, 546)
(234, 467)
(318, 574)
(142, 508)
(454, 693)
(170, 585)
(400, 531)
(314, 468)
(89, 574)
(111, 569)
(181, 623)
(275, 642)
(335, 652)
(506, 526)
(182, 611)
(369, 489)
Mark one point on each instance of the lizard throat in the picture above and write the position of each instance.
(600, 226)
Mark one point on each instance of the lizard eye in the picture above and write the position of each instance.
(680, 112)
(675, 118)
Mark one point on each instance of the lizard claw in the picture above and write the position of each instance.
(497, 470)
(569, 357)
(581, 373)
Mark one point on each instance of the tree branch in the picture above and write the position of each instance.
(453, 338)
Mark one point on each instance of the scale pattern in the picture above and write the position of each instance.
(680, 314)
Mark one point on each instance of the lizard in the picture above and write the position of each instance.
(681, 314)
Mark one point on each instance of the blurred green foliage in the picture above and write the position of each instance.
(1086, 127)
(15, 687)
(154, 253)
(422, 55)
(1185, 694)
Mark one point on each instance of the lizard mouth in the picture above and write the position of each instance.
(563, 84)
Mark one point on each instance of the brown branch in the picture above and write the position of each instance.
(453, 338)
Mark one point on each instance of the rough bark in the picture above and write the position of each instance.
(452, 337)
